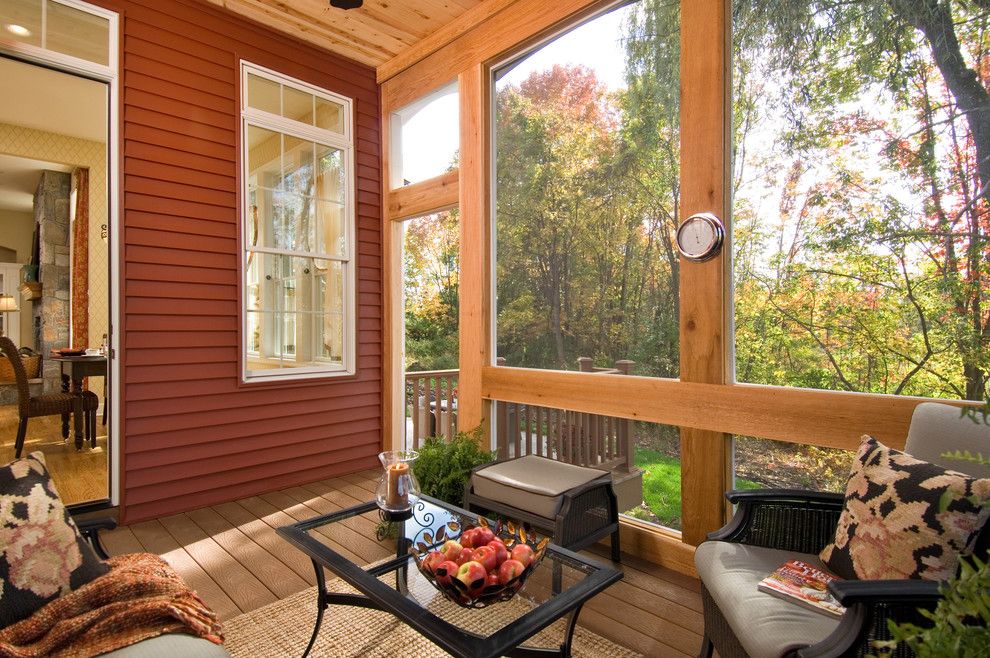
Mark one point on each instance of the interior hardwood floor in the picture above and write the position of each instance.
(79, 476)
(231, 555)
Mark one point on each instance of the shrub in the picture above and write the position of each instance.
(443, 467)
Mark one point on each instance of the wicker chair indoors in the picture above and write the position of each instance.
(49, 404)
(773, 526)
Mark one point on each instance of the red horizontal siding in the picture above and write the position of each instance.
(193, 434)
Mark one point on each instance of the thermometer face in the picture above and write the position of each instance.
(699, 238)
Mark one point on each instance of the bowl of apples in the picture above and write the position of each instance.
(482, 564)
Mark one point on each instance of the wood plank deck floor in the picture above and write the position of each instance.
(231, 555)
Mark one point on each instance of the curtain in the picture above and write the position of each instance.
(80, 259)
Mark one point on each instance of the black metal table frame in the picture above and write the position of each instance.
(377, 595)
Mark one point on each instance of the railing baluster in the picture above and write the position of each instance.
(437, 396)
(501, 420)
(552, 450)
(514, 427)
(415, 412)
(541, 440)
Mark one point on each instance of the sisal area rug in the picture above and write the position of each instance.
(282, 629)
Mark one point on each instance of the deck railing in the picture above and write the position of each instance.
(431, 402)
(569, 436)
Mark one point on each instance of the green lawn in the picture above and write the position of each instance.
(662, 487)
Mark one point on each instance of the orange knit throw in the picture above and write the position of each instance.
(141, 597)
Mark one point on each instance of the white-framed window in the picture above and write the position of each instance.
(298, 213)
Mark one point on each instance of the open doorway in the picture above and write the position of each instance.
(430, 280)
(54, 248)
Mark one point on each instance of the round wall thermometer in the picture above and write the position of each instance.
(700, 237)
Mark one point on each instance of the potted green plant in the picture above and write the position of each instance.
(444, 466)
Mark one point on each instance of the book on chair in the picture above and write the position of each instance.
(803, 584)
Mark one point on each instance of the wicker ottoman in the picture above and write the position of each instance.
(573, 504)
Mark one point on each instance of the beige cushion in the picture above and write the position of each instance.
(765, 625)
(939, 428)
(533, 484)
(171, 645)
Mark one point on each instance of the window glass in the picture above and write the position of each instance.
(586, 206)
(860, 203)
(587, 196)
(77, 33)
(264, 94)
(766, 464)
(644, 457)
(21, 21)
(427, 137)
(56, 27)
(298, 270)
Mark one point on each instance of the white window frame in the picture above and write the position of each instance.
(342, 141)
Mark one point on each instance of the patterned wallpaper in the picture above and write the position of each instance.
(52, 147)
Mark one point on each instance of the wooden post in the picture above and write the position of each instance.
(705, 158)
(624, 436)
(475, 247)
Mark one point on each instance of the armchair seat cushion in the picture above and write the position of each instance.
(531, 483)
(765, 625)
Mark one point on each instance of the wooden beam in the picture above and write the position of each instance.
(475, 248)
(704, 349)
(393, 322)
(832, 419)
(434, 42)
(658, 545)
(520, 23)
(425, 197)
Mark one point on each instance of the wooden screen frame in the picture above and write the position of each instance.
(704, 402)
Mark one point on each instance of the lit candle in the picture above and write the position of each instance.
(398, 496)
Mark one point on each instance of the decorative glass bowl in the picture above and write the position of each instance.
(477, 596)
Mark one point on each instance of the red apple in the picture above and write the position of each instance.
(467, 554)
(486, 556)
(433, 560)
(473, 575)
(483, 535)
(445, 571)
(510, 569)
(467, 538)
(451, 550)
(523, 553)
(501, 552)
(492, 579)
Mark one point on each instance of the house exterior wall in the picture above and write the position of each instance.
(193, 433)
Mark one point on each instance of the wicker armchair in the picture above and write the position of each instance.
(51, 404)
(773, 526)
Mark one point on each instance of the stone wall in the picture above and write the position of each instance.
(51, 212)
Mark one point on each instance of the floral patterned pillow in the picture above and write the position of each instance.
(42, 554)
(894, 523)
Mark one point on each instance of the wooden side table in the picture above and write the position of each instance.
(74, 370)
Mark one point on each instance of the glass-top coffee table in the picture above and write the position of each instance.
(560, 585)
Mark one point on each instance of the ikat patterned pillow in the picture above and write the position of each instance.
(893, 524)
(42, 554)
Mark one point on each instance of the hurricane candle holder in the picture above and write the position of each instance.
(397, 489)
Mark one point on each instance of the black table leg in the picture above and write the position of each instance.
(65, 417)
(321, 605)
(565, 647)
